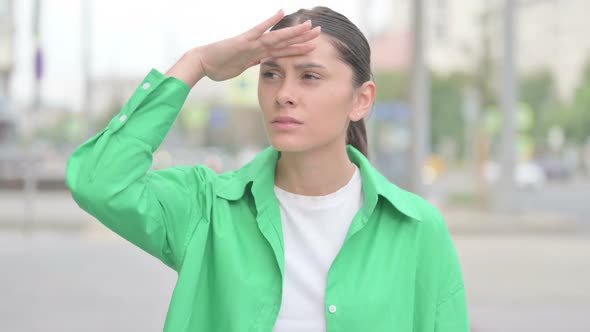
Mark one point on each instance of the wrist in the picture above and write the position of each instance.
(195, 56)
(188, 68)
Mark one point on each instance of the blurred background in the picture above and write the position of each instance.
(483, 107)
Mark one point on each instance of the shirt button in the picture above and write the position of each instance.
(146, 85)
(332, 309)
(123, 118)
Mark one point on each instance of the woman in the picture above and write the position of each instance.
(306, 237)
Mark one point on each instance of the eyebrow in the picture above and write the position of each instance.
(299, 66)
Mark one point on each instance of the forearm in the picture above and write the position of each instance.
(108, 174)
(132, 135)
(188, 68)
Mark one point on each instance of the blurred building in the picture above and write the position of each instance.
(551, 35)
(391, 51)
(554, 34)
(7, 120)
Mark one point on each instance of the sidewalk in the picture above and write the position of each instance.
(472, 221)
(56, 210)
(47, 210)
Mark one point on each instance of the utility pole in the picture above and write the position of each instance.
(7, 50)
(509, 98)
(86, 42)
(29, 159)
(38, 56)
(420, 100)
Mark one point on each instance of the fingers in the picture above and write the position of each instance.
(290, 41)
(253, 63)
(297, 49)
(267, 24)
(273, 38)
(300, 39)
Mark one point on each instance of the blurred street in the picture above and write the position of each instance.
(527, 282)
(55, 281)
(66, 272)
(568, 198)
(94, 281)
(558, 205)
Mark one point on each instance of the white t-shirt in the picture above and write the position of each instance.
(314, 229)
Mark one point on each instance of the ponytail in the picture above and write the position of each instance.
(356, 135)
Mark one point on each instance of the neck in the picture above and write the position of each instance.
(316, 172)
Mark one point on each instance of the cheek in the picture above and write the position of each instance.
(334, 104)
(261, 94)
(265, 99)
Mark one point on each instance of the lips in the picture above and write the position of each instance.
(286, 120)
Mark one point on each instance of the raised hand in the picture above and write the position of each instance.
(228, 58)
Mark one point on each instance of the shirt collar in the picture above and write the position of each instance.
(260, 174)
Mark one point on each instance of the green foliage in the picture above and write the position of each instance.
(445, 103)
(447, 114)
(392, 85)
(538, 92)
(577, 124)
(66, 128)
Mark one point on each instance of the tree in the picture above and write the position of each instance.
(445, 102)
(447, 115)
(538, 91)
(577, 124)
(392, 85)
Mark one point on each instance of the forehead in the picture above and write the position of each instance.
(324, 53)
(324, 48)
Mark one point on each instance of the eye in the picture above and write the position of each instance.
(270, 74)
(310, 76)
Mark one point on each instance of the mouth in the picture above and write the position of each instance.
(285, 122)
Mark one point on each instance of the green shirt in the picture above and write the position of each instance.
(396, 271)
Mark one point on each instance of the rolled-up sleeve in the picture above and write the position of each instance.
(109, 175)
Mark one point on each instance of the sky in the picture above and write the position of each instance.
(130, 37)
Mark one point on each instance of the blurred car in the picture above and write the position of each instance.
(527, 175)
(555, 168)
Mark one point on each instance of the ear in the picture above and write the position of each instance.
(363, 99)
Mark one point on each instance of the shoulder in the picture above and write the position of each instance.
(229, 185)
(436, 240)
(411, 204)
(436, 243)
(193, 183)
(432, 221)
(198, 174)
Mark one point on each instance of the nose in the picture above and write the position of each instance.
(285, 95)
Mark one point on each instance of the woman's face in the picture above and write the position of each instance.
(307, 100)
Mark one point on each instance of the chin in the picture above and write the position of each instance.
(289, 145)
(303, 143)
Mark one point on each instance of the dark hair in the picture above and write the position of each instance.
(353, 48)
